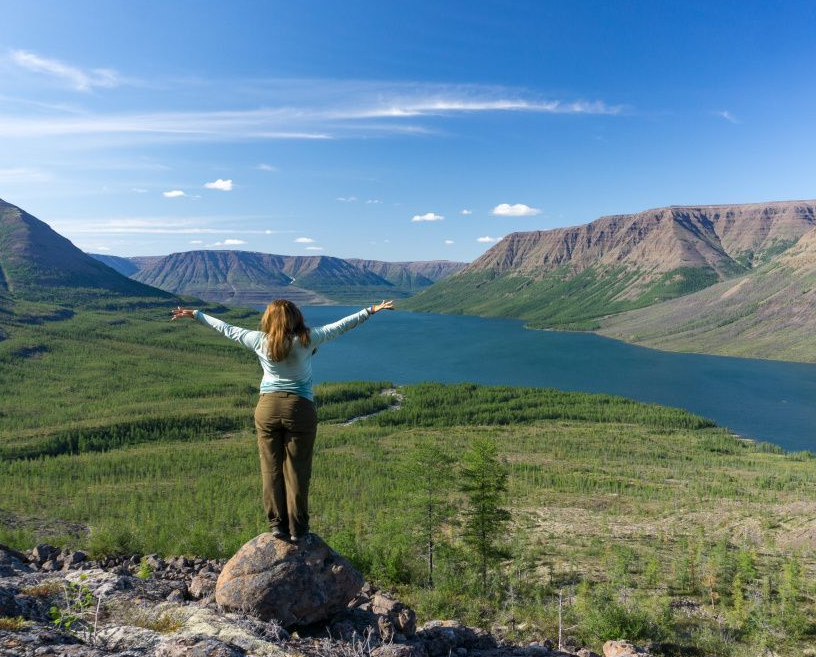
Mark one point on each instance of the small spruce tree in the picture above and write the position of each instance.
(484, 482)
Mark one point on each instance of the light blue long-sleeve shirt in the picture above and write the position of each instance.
(293, 373)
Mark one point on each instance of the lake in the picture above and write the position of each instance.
(766, 400)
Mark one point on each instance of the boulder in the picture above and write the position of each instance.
(202, 585)
(12, 562)
(401, 617)
(294, 583)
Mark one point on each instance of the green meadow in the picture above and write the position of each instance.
(123, 432)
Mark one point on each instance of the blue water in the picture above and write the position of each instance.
(766, 400)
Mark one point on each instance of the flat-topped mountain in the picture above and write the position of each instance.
(37, 263)
(572, 276)
(246, 277)
(410, 275)
(769, 312)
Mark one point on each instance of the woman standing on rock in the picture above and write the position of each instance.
(285, 417)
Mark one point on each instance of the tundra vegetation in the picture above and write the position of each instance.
(121, 432)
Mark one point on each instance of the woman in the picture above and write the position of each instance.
(285, 417)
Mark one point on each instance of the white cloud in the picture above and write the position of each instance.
(448, 242)
(429, 216)
(266, 167)
(346, 199)
(373, 201)
(725, 114)
(229, 242)
(314, 248)
(466, 212)
(74, 76)
(196, 242)
(139, 190)
(304, 240)
(103, 248)
(173, 193)
(515, 210)
(487, 239)
(221, 185)
(162, 225)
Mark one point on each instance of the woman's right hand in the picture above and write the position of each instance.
(180, 312)
(383, 305)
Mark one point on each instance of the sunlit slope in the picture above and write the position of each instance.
(768, 313)
(571, 277)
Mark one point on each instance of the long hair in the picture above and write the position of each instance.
(282, 321)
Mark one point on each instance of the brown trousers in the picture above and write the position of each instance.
(286, 426)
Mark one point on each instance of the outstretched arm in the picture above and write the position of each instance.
(328, 332)
(249, 339)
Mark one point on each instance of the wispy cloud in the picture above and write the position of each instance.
(266, 167)
(314, 248)
(346, 199)
(429, 216)
(139, 190)
(487, 239)
(75, 77)
(466, 212)
(304, 240)
(515, 210)
(161, 226)
(448, 242)
(231, 242)
(23, 174)
(196, 241)
(373, 201)
(725, 114)
(222, 185)
(296, 109)
(173, 193)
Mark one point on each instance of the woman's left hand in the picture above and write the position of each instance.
(180, 312)
(383, 305)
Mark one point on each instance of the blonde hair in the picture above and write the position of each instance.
(282, 321)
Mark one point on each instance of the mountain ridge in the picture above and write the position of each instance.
(570, 277)
(253, 277)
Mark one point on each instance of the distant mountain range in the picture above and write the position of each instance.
(250, 278)
(597, 275)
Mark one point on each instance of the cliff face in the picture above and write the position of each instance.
(570, 277)
(724, 237)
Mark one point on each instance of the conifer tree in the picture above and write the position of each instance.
(430, 475)
(484, 482)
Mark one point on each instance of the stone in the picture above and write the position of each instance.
(403, 618)
(202, 585)
(259, 639)
(128, 637)
(12, 562)
(622, 649)
(196, 646)
(295, 583)
(176, 595)
(441, 638)
(100, 582)
(586, 652)
(43, 552)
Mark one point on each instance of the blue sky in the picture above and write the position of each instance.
(394, 130)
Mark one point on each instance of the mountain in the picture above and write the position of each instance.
(39, 264)
(251, 278)
(412, 276)
(571, 277)
(769, 312)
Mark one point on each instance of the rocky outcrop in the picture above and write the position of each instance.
(623, 649)
(135, 612)
(294, 583)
